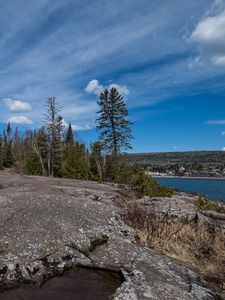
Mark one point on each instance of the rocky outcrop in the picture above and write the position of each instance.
(50, 225)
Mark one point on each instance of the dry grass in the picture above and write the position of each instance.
(204, 204)
(197, 243)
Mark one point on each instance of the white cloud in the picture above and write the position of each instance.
(17, 105)
(216, 122)
(64, 123)
(219, 60)
(210, 36)
(20, 120)
(77, 127)
(81, 127)
(94, 87)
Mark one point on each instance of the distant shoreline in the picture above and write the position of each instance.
(188, 177)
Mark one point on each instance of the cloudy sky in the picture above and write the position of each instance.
(167, 58)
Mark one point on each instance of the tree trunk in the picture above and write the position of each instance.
(40, 158)
(99, 168)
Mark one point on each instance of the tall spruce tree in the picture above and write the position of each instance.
(114, 127)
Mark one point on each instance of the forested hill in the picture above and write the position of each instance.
(205, 158)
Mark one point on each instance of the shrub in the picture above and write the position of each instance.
(75, 164)
(139, 181)
(32, 165)
(146, 185)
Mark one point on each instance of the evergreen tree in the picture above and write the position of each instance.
(9, 131)
(7, 147)
(32, 164)
(75, 163)
(69, 135)
(115, 132)
(1, 153)
(7, 155)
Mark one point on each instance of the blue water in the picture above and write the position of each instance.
(214, 189)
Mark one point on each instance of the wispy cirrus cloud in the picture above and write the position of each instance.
(138, 46)
(216, 122)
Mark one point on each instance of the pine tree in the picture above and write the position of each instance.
(9, 131)
(7, 147)
(115, 132)
(69, 135)
(76, 163)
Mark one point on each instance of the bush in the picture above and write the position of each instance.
(32, 164)
(138, 180)
(7, 156)
(146, 185)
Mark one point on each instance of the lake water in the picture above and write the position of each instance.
(76, 284)
(213, 188)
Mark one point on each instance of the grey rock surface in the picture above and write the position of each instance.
(49, 225)
(182, 206)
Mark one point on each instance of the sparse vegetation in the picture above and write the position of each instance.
(203, 204)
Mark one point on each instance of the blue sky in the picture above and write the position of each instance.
(167, 58)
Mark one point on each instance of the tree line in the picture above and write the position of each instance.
(52, 150)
